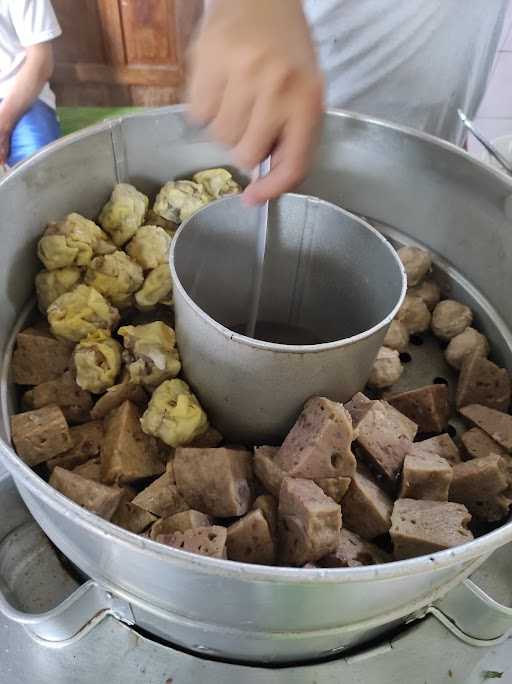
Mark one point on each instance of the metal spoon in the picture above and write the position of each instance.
(261, 247)
(485, 142)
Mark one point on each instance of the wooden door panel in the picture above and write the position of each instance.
(146, 38)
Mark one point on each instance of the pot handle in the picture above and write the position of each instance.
(473, 616)
(72, 619)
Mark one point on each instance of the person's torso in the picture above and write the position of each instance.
(410, 61)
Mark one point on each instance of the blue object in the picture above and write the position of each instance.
(38, 127)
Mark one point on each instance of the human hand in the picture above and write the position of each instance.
(254, 80)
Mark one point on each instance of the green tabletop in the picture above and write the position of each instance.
(75, 118)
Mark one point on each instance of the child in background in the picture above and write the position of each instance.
(28, 120)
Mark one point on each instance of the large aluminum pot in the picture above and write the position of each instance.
(331, 286)
(423, 187)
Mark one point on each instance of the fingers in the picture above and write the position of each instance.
(205, 92)
(234, 113)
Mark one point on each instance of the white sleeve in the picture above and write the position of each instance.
(34, 21)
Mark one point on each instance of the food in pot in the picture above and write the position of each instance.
(428, 291)
(86, 442)
(426, 476)
(133, 518)
(478, 444)
(496, 424)
(483, 382)
(464, 345)
(40, 435)
(440, 445)
(94, 496)
(124, 213)
(149, 247)
(78, 313)
(39, 357)
(116, 277)
(353, 551)
(52, 284)
(156, 289)
(217, 182)
(366, 508)
(428, 407)
(450, 318)
(178, 200)
(414, 315)
(397, 337)
(479, 478)
(387, 369)
(249, 540)
(64, 392)
(97, 360)
(417, 263)
(205, 541)
(151, 353)
(162, 497)
(117, 395)
(180, 522)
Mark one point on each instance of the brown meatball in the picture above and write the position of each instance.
(450, 318)
(386, 370)
(417, 263)
(397, 336)
(414, 315)
(464, 345)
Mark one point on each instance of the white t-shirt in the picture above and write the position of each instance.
(24, 23)
(413, 62)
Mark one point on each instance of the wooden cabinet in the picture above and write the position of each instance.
(122, 52)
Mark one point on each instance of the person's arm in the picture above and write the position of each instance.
(26, 87)
(255, 81)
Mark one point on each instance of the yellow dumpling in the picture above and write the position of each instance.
(52, 284)
(217, 182)
(157, 289)
(149, 247)
(174, 414)
(72, 242)
(116, 276)
(152, 353)
(123, 213)
(76, 314)
(97, 361)
(178, 200)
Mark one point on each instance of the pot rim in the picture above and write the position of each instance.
(291, 348)
(28, 479)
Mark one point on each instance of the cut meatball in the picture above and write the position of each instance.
(39, 357)
(426, 476)
(423, 527)
(386, 370)
(427, 406)
(397, 337)
(483, 382)
(479, 479)
(75, 402)
(417, 263)
(352, 552)
(496, 424)
(414, 315)
(40, 435)
(161, 497)
(366, 509)
(250, 540)
(428, 291)
(441, 445)
(479, 445)
(87, 439)
(205, 541)
(450, 318)
(93, 496)
(465, 345)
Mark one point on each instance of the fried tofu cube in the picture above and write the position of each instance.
(319, 444)
(75, 402)
(217, 482)
(86, 440)
(479, 445)
(309, 522)
(353, 551)
(427, 406)
(117, 395)
(161, 497)
(205, 541)
(496, 424)
(39, 357)
(249, 540)
(127, 454)
(440, 445)
(40, 435)
(480, 478)
(423, 527)
(366, 509)
(483, 382)
(94, 496)
(180, 522)
(426, 476)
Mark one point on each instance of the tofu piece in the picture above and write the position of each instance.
(384, 443)
(205, 541)
(39, 357)
(366, 509)
(75, 402)
(426, 476)
(360, 404)
(249, 540)
(180, 522)
(427, 406)
(86, 439)
(117, 395)
(94, 496)
(424, 527)
(319, 444)
(266, 469)
(483, 382)
(91, 470)
(268, 506)
(161, 497)
(480, 478)
(441, 445)
(127, 454)
(217, 482)
(479, 445)
(40, 435)
(335, 487)
(352, 552)
(309, 522)
(494, 509)
(496, 424)
(208, 440)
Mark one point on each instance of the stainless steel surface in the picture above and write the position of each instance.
(109, 651)
(485, 142)
(261, 248)
(426, 191)
(328, 274)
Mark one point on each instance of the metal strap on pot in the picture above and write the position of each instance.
(73, 618)
(473, 616)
